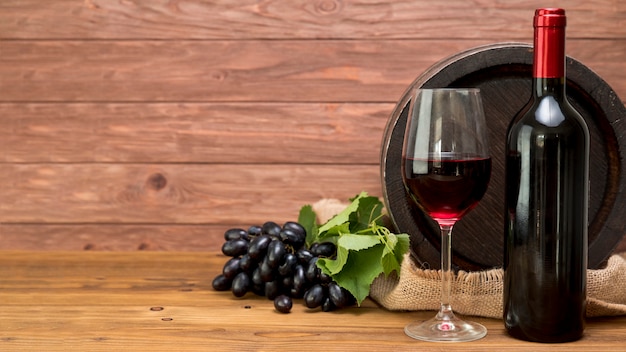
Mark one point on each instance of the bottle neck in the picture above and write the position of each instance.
(549, 61)
(549, 86)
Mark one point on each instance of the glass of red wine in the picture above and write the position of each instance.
(446, 168)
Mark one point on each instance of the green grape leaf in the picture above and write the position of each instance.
(308, 219)
(369, 209)
(395, 248)
(356, 242)
(360, 270)
(333, 233)
(344, 215)
(345, 244)
(365, 247)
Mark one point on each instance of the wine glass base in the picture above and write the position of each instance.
(445, 330)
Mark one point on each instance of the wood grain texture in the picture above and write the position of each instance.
(132, 125)
(97, 301)
(235, 133)
(173, 193)
(275, 19)
(119, 237)
(285, 71)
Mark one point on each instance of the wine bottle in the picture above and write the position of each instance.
(546, 197)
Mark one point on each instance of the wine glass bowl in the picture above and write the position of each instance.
(446, 169)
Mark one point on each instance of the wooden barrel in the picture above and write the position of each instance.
(503, 73)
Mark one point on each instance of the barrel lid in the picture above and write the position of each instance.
(503, 73)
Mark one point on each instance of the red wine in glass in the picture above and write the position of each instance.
(447, 186)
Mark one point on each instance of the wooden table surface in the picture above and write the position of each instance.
(142, 301)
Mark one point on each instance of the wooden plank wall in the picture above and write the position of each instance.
(158, 124)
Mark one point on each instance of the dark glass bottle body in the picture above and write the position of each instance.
(546, 196)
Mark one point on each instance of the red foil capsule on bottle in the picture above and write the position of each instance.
(549, 42)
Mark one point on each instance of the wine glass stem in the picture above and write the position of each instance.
(445, 311)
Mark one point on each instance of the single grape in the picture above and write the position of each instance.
(312, 272)
(235, 234)
(221, 283)
(323, 277)
(241, 284)
(304, 255)
(324, 249)
(291, 238)
(255, 230)
(256, 276)
(235, 248)
(271, 229)
(288, 264)
(338, 295)
(231, 268)
(314, 296)
(267, 272)
(283, 303)
(275, 252)
(246, 263)
(299, 282)
(328, 305)
(295, 227)
(258, 247)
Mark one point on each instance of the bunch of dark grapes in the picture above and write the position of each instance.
(274, 261)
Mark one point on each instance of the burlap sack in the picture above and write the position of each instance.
(480, 293)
